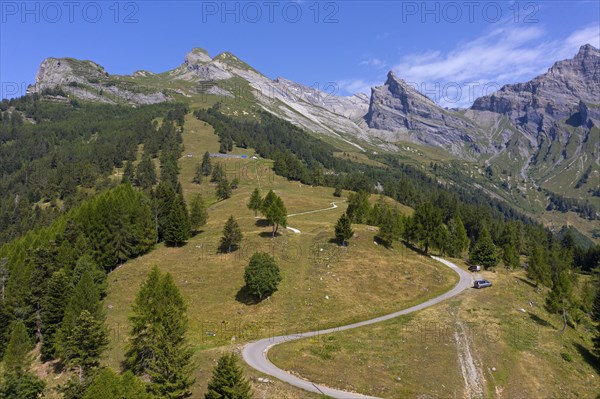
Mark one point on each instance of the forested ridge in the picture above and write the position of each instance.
(54, 155)
(54, 261)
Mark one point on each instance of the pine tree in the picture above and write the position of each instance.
(337, 192)
(267, 201)
(206, 164)
(163, 198)
(158, 348)
(560, 297)
(57, 296)
(596, 318)
(343, 229)
(198, 213)
(228, 380)
(223, 190)
(232, 235)
(359, 208)
(16, 358)
(537, 268)
(110, 385)
(24, 386)
(458, 241)
(198, 174)
(18, 382)
(177, 229)
(390, 226)
(484, 251)
(87, 264)
(277, 214)
(427, 220)
(145, 308)
(85, 297)
(145, 174)
(218, 173)
(255, 202)
(510, 247)
(262, 275)
(128, 173)
(85, 344)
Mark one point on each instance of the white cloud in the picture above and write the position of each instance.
(374, 63)
(351, 86)
(503, 55)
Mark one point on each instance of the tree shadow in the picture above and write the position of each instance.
(268, 234)
(244, 296)
(529, 283)
(338, 242)
(415, 249)
(384, 244)
(588, 356)
(262, 223)
(539, 320)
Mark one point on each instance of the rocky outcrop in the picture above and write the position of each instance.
(87, 80)
(550, 98)
(405, 113)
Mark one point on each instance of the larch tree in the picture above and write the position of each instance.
(343, 229)
(223, 190)
(255, 202)
(198, 213)
(277, 214)
(177, 228)
(18, 382)
(427, 220)
(232, 235)
(206, 164)
(158, 349)
(484, 251)
(228, 380)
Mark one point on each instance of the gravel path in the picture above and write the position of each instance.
(255, 353)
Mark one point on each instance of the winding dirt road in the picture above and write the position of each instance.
(255, 353)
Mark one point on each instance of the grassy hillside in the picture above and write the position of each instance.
(323, 285)
(497, 342)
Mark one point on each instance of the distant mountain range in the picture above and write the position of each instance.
(545, 132)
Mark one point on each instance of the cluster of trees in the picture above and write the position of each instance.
(158, 361)
(43, 269)
(563, 204)
(205, 168)
(271, 207)
(53, 278)
(67, 155)
(551, 261)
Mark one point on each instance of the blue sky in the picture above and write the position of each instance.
(451, 51)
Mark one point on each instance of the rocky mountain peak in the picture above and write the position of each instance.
(587, 50)
(401, 109)
(550, 97)
(197, 56)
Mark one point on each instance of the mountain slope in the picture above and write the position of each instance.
(539, 135)
(398, 108)
(556, 117)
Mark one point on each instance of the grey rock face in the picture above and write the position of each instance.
(399, 108)
(553, 97)
(88, 81)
